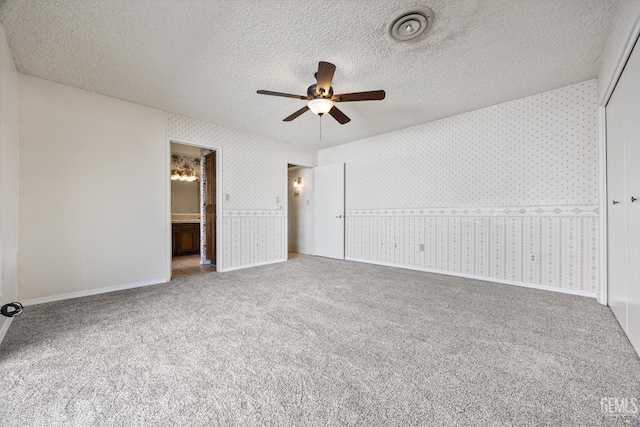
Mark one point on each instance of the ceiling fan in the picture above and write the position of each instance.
(321, 98)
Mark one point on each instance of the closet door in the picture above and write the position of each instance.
(623, 187)
(616, 227)
(631, 87)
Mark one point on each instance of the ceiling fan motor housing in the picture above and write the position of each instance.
(312, 92)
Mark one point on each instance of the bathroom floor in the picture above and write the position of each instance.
(189, 265)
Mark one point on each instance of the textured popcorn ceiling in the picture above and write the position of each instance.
(206, 59)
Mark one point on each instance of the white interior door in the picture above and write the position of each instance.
(616, 219)
(631, 105)
(328, 184)
(623, 187)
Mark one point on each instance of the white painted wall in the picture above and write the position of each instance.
(254, 175)
(92, 193)
(300, 211)
(9, 102)
(483, 191)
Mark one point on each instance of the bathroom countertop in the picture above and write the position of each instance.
(185, 221)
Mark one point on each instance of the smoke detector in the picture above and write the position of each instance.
(410, 23)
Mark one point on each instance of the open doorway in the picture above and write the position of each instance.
(300, 210)
(193, 210)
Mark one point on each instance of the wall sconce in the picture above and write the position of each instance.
(297, 183)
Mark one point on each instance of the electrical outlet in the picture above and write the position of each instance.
(532, 257)
(421, 247)
(307, 202)
(277, 200)
(226, 197)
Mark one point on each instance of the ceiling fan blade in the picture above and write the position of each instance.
(339, 115)
(286, 95)
(373, 95)
(296, 114)
(324, 77)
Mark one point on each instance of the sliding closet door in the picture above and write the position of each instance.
(631, 76)
(616, 228)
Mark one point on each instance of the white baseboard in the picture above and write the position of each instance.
(89, 292)
(6, 322)
(257, 264)
(483, 278)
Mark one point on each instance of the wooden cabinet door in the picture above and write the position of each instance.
(186, 239)
(175, 240)
(187, 243)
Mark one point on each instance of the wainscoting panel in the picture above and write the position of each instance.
(549, 246)
(253, 237)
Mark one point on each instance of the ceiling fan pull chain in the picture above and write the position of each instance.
(321, 127)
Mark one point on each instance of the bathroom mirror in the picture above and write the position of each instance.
(185, 197)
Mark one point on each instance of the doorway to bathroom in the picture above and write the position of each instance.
(193, 210)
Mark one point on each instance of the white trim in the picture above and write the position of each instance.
(483, 278)
(622, 61)
(5, 327)
(602, 187)
(298, 165)
(219, 223)
(90, 292)
(257, 264)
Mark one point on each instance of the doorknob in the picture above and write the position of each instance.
(338, 216)
(633, 199)
(615, 202)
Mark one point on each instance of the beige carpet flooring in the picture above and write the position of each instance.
(314, 341)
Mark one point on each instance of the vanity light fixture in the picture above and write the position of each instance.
(175, 176)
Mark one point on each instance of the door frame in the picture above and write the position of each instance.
(286, 201)
(219, 238)
(610, 81)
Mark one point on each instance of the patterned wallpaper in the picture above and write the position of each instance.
(507, 192)
(203, 201)
(184, 165)
(254, 167)
(254, 175)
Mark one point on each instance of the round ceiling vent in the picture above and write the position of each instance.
(410, 23)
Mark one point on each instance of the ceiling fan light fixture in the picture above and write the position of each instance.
(320, 106)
